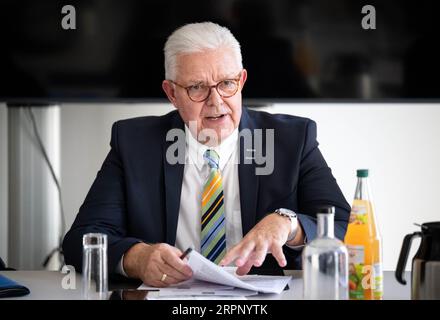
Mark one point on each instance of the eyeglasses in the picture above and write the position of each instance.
(201, 92)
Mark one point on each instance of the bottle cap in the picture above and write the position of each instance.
(326, 210)
(362, 173)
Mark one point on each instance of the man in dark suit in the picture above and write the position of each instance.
(232, 183)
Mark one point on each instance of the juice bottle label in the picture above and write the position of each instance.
(378, 281)
(358, 214)
(356, 258)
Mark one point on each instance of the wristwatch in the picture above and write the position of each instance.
(293, 221)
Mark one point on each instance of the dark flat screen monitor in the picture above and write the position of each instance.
(293, 50)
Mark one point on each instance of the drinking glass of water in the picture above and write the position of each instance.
(95, 282)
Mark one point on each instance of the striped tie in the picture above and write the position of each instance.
(213, 239)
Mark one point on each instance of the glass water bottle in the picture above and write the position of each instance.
(325, 262)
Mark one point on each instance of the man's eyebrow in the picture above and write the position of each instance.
(195, 81)
(221, 78)
(228, 77)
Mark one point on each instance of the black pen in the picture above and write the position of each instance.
(187, 251)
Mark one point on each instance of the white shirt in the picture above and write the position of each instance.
(196, 172)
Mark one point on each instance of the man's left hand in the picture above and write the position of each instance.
(269, 235)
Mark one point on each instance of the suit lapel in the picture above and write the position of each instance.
(173, 175)
(248, 180)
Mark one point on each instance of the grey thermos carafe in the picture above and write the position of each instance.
(425, 273)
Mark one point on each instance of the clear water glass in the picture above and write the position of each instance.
(95, 278)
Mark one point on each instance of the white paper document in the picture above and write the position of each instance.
(210, 279)
(156, 295)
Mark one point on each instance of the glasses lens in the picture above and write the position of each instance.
(227, 87)
(198, 92)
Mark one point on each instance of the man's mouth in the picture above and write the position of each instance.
(216, 117)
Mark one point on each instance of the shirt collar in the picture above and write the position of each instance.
(197, 149)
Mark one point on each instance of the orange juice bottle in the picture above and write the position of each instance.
(364, 244)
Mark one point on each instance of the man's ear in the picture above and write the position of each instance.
(243, 78)
(168, 87)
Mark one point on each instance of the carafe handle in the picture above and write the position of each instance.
(401, 264)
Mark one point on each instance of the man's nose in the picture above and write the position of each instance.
(214, 99)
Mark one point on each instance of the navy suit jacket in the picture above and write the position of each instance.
(136, 194)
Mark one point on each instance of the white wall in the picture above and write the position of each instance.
(3, 182)
(397, 142)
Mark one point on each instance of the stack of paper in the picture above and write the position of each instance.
(211, 280)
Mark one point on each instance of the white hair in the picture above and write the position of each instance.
(198, 37)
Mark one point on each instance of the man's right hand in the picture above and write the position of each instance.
(150, 262)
